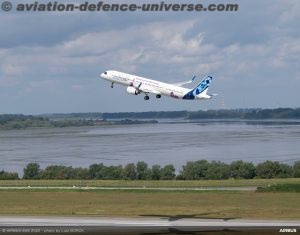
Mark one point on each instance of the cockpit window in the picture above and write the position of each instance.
(105, 73)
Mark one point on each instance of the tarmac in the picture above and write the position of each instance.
(138, 225)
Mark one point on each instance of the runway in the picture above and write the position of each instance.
(54, 224)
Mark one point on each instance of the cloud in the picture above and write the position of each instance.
(291, 11)
(154, 44)
(255, 47)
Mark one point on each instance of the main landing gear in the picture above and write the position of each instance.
(112, 85)
(158, 96)
(146, 97)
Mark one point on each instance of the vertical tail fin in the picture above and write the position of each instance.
(201, 87)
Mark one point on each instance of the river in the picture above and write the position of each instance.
(166, 142)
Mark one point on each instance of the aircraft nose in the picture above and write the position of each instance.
(104, 74)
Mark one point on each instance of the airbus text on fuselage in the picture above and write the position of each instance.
(139, 85)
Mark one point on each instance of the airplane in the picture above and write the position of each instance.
(136, 85)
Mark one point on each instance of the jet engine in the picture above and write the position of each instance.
(133, 91)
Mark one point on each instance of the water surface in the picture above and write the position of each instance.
(162, 143)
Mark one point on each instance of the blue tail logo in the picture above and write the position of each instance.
(202, 86)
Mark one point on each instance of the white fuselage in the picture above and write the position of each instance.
(146, 85)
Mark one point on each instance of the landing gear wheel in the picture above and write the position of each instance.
(112, 85)
(158, 96)
(146, 97)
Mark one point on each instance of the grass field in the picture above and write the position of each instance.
(280, 188)
(191, 204)
(150, 183)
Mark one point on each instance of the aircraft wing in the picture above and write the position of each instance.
(183, 83)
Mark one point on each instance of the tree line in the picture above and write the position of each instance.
(256, 114)
(18, 121)
(192, 170)
(279, 113)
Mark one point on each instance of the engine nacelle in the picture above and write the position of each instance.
(133, 91)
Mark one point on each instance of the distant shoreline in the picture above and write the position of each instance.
(20, 121)
(254, 113)
(32, 122)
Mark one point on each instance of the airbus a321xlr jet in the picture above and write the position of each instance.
(137, 85)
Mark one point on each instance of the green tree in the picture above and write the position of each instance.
(296, 169)
(155, 172)
(97, 171)
(81, 173)
(195, 170)
(58, 172)
(130, 172)
(8, 175)
(168, 172)
(286, 171)
(141, 170)
(149, 174)
(268, 169)
(32, 171)
(242, 170)
(114, 173)
(217, 171)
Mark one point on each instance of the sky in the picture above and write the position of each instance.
(50, 62)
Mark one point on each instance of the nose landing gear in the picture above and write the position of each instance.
(158, 96)
(112, 85)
